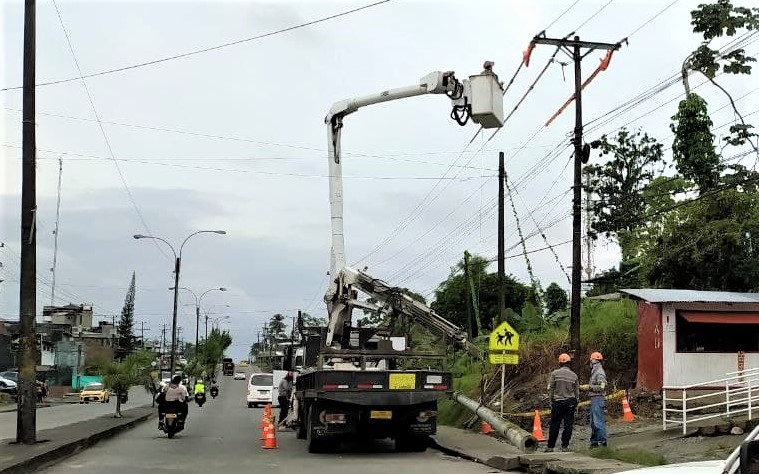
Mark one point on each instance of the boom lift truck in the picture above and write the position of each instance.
(356, 381)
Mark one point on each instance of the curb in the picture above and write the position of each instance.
(496, 462)
(57, 453)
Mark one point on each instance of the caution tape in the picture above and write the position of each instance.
(547, 411)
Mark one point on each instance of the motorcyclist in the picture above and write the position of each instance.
(174, 398)
(200, 387)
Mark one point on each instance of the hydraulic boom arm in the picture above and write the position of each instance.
(479, 98)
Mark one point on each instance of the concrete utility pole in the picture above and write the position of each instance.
(26, 420)
(469, 329)
(574, 48)
(501, 242)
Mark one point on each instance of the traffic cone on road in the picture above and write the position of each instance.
(486, 428)
(627, 414)
(537, 428)
(270, 435)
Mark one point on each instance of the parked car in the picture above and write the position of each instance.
(8, 386)
(12, 375)
(94, 392)
(260, 390)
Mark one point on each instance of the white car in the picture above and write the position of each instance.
(239, 375)
(260, 390)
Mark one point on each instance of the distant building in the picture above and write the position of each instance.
(691, 337)
(77, 316)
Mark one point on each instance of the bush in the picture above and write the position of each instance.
(633, 456)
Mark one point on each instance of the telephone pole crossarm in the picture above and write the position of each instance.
(571, 43)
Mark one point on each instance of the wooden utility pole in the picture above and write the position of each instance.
(501, 243)
(574, 48)
(469, 329)
(26, 420)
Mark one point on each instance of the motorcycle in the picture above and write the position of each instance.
(200, 398)
(214, 392)
(173, 422)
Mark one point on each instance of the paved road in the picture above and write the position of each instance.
(66, 414)
(223, 437)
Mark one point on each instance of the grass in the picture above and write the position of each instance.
(629, 455)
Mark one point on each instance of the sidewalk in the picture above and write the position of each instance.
(500, 455)
(65, 440)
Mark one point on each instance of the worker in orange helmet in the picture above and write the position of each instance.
(596, 391)
(563, 391)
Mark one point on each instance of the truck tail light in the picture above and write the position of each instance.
(440, 386)
(369, 386)
(335, 418)
(334, 386)
(425, 415)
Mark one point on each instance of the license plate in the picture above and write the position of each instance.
(402, 381)
(381, 415)
(263, 392)
(171, 415)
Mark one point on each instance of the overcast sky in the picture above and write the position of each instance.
(234, 139)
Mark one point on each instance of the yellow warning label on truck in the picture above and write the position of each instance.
(402, 381)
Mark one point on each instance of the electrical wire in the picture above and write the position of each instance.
(204, 50)
(593, 15)
(105, 136)
(561, 15)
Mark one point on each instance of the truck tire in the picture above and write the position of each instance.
(301, 432)
(412, 444)
(315, 446)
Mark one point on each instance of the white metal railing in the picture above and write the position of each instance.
(736, 393)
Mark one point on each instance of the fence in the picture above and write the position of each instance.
(735, 394)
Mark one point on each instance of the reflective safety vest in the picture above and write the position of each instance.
(200, 388)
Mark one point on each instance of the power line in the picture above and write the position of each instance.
(593, 15)
(105, 136)
(562, 14)
(204, 50)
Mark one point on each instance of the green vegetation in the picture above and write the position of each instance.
(120, 376)
(634, 456)
(210, 353)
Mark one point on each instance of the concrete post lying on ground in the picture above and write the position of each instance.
(513, 434)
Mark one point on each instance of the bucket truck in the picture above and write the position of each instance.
(360, 381)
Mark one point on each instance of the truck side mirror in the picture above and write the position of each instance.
(749, 457)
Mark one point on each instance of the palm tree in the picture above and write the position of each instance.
(120, 376)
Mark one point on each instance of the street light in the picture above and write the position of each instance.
(209, 311)
(177, 267)
(217, 321)
(198, 300)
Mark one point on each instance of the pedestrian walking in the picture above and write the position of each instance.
(285, 392)
(597, 391)
(563, 391)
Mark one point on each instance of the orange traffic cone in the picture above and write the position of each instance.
(537, 428)
(486, 428)
(627, 414)
(270, 441)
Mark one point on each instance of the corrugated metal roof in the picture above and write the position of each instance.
(659, 295)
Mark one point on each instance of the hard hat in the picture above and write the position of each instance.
(596, 356)
(564, 358)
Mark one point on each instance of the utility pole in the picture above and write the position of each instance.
(55, 232)
(589, 244)
(574, 48)
(469, 330)
(197, 327)
(163, 343)
(501, 243)
(26, 419)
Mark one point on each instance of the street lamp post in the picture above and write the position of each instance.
(198, 300)
(217, 321)
(177, 268)
(207, 312)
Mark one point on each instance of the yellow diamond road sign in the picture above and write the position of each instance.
(504, 338)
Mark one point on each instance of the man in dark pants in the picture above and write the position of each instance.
(285, 392)
(564, 391)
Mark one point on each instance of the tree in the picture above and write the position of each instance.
(312, 321)
(127, 340)
(556, 298)
(693, 148)
(452, 295)
(120, 376)
(276, 328)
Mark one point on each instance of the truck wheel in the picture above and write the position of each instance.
(314, 445)
(301, 433)
(412, 444)
(251, 404)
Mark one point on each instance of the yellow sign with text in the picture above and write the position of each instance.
(503, 358)
(402, 381)
(504, 338)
